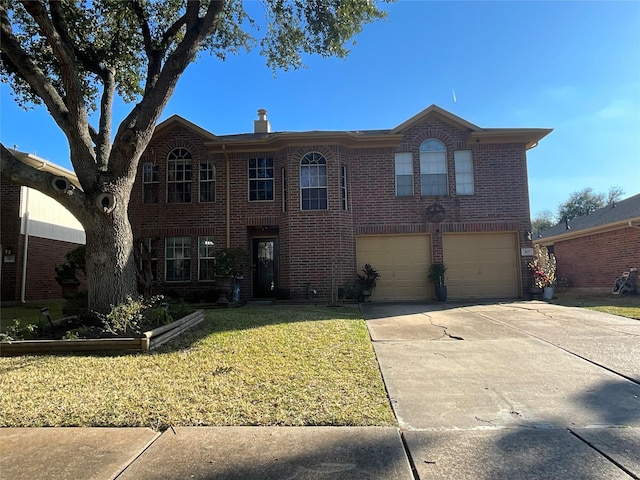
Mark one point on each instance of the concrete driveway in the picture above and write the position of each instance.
(524, 390)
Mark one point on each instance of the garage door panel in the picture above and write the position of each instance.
(481, 265)
(402, 261)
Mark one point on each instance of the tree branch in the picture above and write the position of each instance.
(138, 127)
(22, 174)
(77, 131)
(29, 72)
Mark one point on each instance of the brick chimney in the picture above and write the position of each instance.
(261, 125)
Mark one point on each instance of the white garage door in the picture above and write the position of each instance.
(481, 265)
(402, 261)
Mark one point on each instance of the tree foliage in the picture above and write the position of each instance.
(542, 221)
(75, 56)
(586, 201)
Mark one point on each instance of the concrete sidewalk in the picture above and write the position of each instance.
(522, 390)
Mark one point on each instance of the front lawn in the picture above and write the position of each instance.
(625, 305)
(280, 365)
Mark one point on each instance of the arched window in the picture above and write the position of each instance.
(179, 176)
(313, 182)
(433, 168)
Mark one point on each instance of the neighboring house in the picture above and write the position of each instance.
(35, 234)
(313, 207)
(593, 250)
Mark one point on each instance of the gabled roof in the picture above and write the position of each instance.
(529, 136)
(443, 114)
(378, 138)
(174, 120)
(616, 215)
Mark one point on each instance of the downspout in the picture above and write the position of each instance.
(633, 226)
(228, 206)
(23, 287)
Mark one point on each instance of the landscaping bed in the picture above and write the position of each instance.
(134, 326)
(149, 340)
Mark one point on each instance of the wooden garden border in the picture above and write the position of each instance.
(148, 341)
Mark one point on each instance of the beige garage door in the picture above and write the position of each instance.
(402, 261)
(481, 265)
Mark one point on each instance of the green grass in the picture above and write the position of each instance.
(29, 313)
(284, 365)
(625, 306)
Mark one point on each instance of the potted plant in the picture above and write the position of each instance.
(436, 276)
(230, 266)
(368, 281)
(543, 267)
(66, 272)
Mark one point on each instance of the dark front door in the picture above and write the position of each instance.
(264, 267)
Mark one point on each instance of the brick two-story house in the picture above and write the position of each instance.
(313, 207)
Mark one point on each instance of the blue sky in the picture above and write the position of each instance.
(570, 66)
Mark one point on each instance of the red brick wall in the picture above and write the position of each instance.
(42, 257)
(595, 261)
(311, 242)
(10, 237)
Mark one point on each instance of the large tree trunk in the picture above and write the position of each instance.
(111, 269)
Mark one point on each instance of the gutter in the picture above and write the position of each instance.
(23, 286)
(569, 234)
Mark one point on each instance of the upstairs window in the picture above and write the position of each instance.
(313, 182)
(464, 172)
(150, 182)
(404, 174)
(260, 179)
(179, 176)
(343, 187)
(178, 259)
(433, 168)
(207, 184)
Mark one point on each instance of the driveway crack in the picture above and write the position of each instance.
(445, 333)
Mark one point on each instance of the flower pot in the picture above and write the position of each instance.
(547, 293)
(441, 293)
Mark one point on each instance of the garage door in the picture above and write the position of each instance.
(402, 261)
(481, 265)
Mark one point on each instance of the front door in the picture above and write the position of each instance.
(264, 267)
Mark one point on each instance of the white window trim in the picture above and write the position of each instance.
(146, 182)
(458, 156)
(201, 257)
(405, 156)
(186, 246)
(424, 163)
(184, 156)
(314, 158)
(272, 179)
(209, 181)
